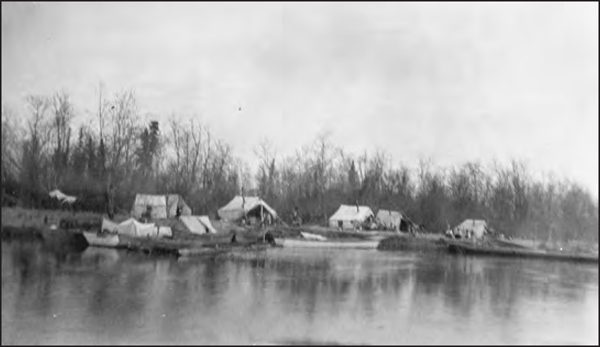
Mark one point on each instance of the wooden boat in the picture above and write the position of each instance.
(188, 247)
(100, 239)
(340, 243)
(223, 249)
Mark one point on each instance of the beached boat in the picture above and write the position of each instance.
(340, 243)
(224, 249)
(100, 239)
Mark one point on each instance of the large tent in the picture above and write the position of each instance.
(198, 224)
(245, 206)
(472, 228)
(394, 220)
(390, 219)
(159, 206)
(350, 216)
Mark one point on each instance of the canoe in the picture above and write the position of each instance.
(299, 243)
(101, 239)
(312, 237)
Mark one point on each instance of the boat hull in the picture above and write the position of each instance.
(101, 240)
(294, 243)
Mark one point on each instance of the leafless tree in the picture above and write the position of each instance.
(61, 127)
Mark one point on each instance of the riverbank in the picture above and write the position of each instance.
(420, 243)
(35, 224)
(487, 247)
(487, 250)
(29, 218)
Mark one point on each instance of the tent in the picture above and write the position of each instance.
(132, 227)
(198, 224)
(391, 219)
(395, 220)
(109, 226)
(348, 216)
(472, 228)
(159, 206)
(245, 206)
(63, 198)
(174, 201)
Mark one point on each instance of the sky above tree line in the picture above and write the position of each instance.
(450, 82)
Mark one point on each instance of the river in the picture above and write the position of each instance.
(290, 296)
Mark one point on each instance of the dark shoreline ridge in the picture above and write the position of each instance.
(399, 243)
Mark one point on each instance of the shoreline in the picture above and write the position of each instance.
(28, 224)
(487, 248)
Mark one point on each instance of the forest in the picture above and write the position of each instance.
(118, 152)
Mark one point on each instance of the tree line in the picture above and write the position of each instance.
(117, 154)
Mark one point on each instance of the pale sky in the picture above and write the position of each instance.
(452, 82)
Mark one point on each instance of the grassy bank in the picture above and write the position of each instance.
(489, 249)
(25, 223)
(26, 218)
(486, 247)
(413, 243)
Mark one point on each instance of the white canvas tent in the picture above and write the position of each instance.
(348, 216)
(395, 220)
(198, 224)
(159, 206)
(391, 219)
(63, 198)
(174, 201)
(244, 206)
(472, 228)
(132, 227)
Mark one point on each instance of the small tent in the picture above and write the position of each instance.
(159, 206)
(390, 219)
(395, 220)
(63, 198)
(349, 216)
(245, 206)
(132, 227)
(472, 228)
(198, 224)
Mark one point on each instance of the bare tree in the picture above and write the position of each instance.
(35, 158)
(11, 146)
(266, 176)
(61, 128)
(120, 143)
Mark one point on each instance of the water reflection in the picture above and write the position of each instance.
(107, 296)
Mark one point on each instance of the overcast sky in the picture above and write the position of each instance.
(453, 82)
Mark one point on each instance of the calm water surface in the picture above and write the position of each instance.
(286, 296)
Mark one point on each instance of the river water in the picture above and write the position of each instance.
(289, 296)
